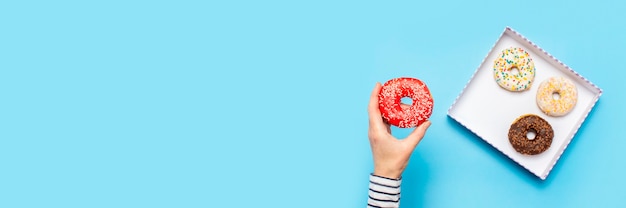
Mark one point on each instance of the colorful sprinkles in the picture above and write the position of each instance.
(514, 58)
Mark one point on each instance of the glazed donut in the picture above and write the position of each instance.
(521, 126)
(567, 96)
(514, 58)
(389, 100)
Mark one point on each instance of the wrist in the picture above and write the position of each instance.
(388, 173)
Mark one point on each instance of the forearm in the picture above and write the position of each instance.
(384, 192)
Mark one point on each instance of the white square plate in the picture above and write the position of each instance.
(488, 110)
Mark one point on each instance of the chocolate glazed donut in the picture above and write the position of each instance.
(522, 125)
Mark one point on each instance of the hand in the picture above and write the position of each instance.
(391, 155)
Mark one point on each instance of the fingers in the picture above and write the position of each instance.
(418, 133)
(376, 121)
(404, 106)
(388, 127)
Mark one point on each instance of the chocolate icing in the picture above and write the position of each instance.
(521, 126)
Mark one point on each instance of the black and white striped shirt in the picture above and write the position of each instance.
(384, 192)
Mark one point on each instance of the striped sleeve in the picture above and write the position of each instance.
(384, 192)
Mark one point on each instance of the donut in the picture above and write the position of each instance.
(405, 116)
(521, 126)
(563, 103)
(514, 58)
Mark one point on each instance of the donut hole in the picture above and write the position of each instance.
(531, 134)
(556, 95)
(406, 101)
(514, 71)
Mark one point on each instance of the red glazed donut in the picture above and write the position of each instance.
(395, 114)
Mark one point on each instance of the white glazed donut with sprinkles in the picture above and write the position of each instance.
(405, 116)
(504, 64)
(557, 96)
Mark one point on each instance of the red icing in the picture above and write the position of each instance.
(390, 97)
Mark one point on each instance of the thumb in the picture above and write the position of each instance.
(418, 133)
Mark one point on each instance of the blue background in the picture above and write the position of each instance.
(263, 104)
